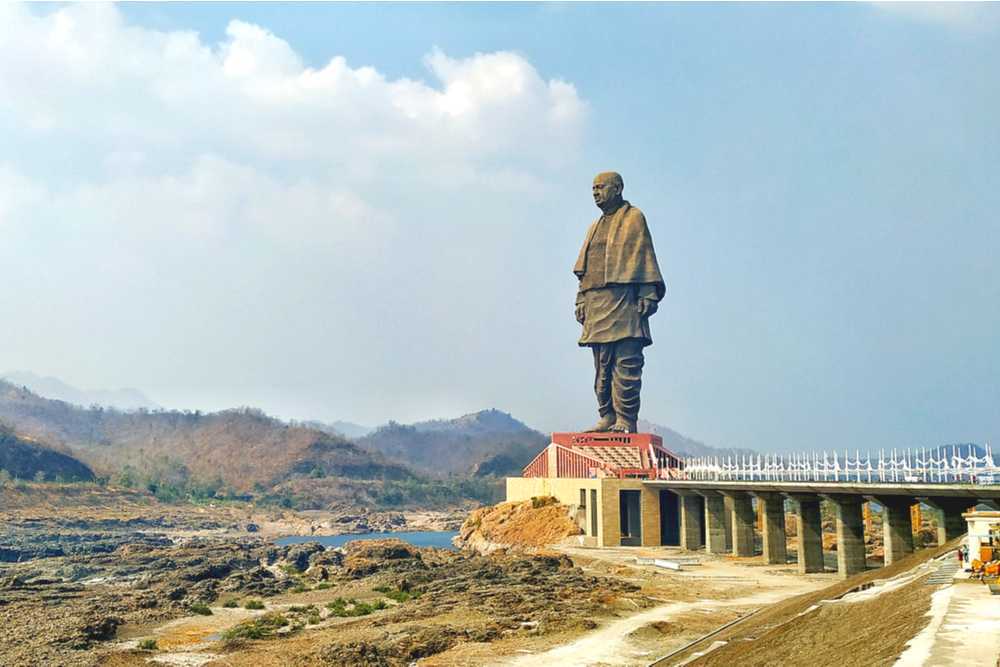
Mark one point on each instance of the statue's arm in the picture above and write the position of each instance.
(648, 298)
(580, 311)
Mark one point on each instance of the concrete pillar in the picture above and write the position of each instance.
(649, 502)
(897, 527)
(850, 534)
(743, 520)
(772, 511)
(950, 522)
(728, 514)
(808, 533)
(692, 517)
(715, 522)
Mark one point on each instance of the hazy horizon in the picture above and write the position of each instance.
(249, 204)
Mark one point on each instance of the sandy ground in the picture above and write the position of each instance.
(725, 589)
(964, 629)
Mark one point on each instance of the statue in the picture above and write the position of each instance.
(620, 287)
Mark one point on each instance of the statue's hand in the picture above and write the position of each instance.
(579, 313)
(647, 307)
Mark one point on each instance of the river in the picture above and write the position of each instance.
(425, 538)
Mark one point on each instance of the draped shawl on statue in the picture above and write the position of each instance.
(629, 257)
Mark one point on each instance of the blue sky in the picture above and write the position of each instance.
(821, 182)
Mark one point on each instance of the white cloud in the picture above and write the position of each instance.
(184, 207)
(81, 72)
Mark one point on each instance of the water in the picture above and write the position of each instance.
(424, 538)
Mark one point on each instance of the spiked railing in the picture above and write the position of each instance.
(942, 465)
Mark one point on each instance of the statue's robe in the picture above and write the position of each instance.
(617, 266)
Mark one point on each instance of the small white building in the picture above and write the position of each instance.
(984, 531)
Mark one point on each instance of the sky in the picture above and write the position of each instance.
(371, 211)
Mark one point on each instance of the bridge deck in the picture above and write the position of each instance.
(915, 490)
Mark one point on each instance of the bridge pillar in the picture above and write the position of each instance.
(950, 523)
(897, 527)
(773, 531)
(850, 534)
(692, 518)
(728, 516)
(808, 532)
(715, 522)
(743, 521)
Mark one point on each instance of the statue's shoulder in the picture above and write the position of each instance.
(634, 213)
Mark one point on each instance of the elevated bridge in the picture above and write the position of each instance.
(652, 497)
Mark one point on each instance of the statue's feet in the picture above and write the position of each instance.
(603, 425)
(622, 426)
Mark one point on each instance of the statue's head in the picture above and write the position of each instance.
(608, 186)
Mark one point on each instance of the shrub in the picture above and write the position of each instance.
(201, 609)
(397, 594)
(253, 604)
(541, 501)
(148, 644)
(342, 607)
(262, 627)
(230, 603)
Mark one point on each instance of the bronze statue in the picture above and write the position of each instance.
(620, 287)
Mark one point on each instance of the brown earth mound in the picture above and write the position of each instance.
(530, 524)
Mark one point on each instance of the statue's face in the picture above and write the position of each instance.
(604, 190)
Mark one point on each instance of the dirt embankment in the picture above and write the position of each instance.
(524, 525)
(808, 630)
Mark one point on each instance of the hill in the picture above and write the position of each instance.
(489, 442)
(50, 387)
(242, 449)
(23, 458)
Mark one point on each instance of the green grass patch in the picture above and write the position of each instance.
(230, 604)
(397, 594)
(148, 644)
(352, 607)
(253, 604)
(322, 586)
(262, 627)
(299, 588)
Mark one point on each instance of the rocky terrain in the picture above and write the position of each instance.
(374, 602)
(526, 525)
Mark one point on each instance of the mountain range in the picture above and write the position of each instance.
(50, 387)
(249, 452)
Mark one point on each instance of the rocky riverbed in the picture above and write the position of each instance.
(397, 602)
(84, 580)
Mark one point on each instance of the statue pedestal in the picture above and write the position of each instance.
(607, 439)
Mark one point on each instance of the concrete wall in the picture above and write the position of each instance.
(567, 492)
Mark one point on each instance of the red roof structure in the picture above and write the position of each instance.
(621, 455)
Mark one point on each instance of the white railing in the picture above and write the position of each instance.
(942, 465)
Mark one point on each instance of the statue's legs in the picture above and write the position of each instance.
(626, 383)
(604, 364)
(617, 381)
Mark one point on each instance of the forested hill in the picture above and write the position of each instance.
(243, 449)
(23, 458)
